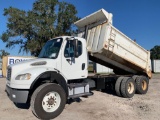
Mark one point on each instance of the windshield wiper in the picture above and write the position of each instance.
(47, 57)
(44, 57)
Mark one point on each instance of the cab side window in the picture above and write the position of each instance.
(70, 49)
(79, 48)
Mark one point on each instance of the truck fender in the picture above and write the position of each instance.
(53, 77)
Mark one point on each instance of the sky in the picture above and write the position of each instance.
(138, 19)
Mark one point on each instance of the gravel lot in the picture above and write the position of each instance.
(100, 106)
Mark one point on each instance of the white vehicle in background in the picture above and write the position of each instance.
(61, 70)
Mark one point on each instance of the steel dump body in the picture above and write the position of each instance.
(110, 47)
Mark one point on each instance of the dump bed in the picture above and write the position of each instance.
(110, 47)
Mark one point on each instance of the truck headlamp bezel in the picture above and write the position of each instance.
(25, 76)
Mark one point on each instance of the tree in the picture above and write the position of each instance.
(3, 53)
(31, 29)
(155, 52)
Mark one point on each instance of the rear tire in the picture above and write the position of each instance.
(128, 87)
(48, 101)
(142, 85)
(134, 77)
(118, 86)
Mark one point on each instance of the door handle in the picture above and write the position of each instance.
(83, 66)
(68, 60)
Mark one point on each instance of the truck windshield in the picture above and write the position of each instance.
(51, 49)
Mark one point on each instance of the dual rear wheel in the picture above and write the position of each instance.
(142, 83)
(127, 86)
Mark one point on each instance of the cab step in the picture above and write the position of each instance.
(78, 90)
(81, 95)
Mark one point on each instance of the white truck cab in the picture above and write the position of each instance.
(58, 56)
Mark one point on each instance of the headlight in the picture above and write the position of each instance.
(26, 76)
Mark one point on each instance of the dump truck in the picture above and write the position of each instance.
(60, 72)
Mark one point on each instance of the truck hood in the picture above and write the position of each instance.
(35, 67)
(33, 64)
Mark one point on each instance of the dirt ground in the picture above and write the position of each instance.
(100, 106)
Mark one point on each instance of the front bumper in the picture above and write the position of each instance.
(17, 96)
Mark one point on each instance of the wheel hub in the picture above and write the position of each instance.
(130, 87)
(51, 101)
(144, 85)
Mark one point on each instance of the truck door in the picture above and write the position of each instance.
(74, 68)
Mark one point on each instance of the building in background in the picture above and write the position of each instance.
(156, 66)
(103, 69)
(8, 60)
(97, 68)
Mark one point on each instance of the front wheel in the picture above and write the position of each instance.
(48, 101)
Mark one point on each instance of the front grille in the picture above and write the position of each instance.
(9, 72)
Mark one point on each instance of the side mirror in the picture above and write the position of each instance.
(76, 55)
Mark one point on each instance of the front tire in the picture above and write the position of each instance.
(48, 101)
